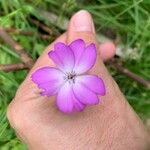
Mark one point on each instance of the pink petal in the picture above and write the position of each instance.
(64, 98)
(92, 82)
(49, 79)
(78, 105)
(78, 47)
(62, 56)
(87, 60)
(50, 88)
(84, 95)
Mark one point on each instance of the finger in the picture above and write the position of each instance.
(81, 26)
(107, 50)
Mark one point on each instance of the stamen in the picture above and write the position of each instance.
(70, 76)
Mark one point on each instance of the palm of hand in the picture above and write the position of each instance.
(39, 116)
(39, 123)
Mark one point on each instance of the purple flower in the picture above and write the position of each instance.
(74, 88)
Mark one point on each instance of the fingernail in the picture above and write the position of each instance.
(82, 21)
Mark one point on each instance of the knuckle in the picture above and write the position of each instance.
(14, 116)
(88, 37)
(9, 112)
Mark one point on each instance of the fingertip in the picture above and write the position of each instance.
(82, 22)
(107, 50)
(81, 26)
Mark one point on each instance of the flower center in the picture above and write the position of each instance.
(70, 76)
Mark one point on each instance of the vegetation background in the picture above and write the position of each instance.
(129, 20)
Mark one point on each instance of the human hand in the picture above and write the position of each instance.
(110, 125)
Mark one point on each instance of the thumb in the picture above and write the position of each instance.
(81, 26)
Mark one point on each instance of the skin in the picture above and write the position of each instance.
(110, 125)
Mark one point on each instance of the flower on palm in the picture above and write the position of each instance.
(69, 81)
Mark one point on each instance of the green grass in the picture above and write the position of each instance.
(130, 19)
